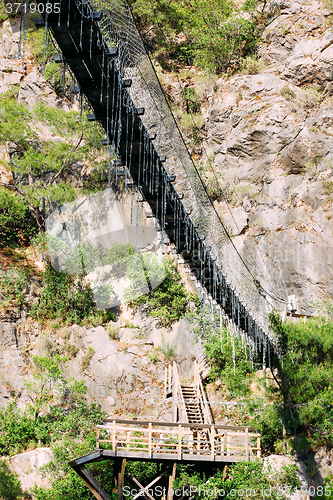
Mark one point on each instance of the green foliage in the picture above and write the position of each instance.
(212, 34)
(192, 100)
(229, 358)
(268, 422)
(48, 382)
(17, 429)
(10, 486)
(287, 93)
(306, 377)
(17, 225)
(113, 331)
(143, 470)
(213, 188)
(82, 260)
(57, 410)
(119, 257)
(64, 297)
(236, 375)
(244, 479)
(168, 350)
(85, 361)
(60, 121)
(167, 302)
(13, 288)
(39, 167)
(251, 65)
(327, 487)
(143, 269)
(14, 122)
(153, 356)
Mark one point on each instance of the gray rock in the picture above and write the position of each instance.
(27, 465)
(135, 350)
(34, 89)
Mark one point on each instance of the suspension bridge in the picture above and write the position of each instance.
(99, 41)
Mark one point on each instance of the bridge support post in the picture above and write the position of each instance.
(91, 482)
(171, 481)
(119, 474)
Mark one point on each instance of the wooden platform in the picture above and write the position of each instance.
(162, 441)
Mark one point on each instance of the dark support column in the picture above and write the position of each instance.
(91, 482)
(120, 482)
(115, 475)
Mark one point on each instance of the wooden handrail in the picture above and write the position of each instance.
(203, 403)
(173, 424)
(203, 365)
(176, 440)
(179, 393)
(167, 380)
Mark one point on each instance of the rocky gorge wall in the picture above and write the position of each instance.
(270, 137)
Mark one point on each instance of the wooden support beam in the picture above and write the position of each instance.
(120, 482)
(136, 482)
(146, 488)
(171, 481)
(95, 488)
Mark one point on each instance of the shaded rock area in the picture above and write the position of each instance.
(271, 136)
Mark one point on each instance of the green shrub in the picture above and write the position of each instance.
(268, 422)
(287, 93)
(10, 486)
(64, 297)
(17, 429)
(192, 100)
(13, 288)
(17, 226)
(213, 188)
(168, 302)
(251, 65)
(213, 34)
(168, 350)
(85, 361)
(221, 352)
(250, 478)
(113, 331)
(305, 379)
(119, 257)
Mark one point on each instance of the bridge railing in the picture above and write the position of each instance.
(201, 366)
(155, 440)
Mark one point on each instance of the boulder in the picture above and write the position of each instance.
(28, 467)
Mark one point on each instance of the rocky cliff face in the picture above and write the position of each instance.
(122, 367)
(271, 136)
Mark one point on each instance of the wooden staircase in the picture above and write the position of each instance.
(192, 406)
(189, 401)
